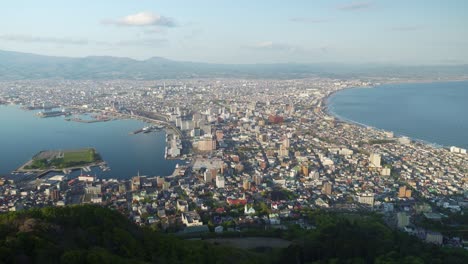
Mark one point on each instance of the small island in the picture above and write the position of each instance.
(56, 160)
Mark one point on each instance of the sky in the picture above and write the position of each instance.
(409, 32)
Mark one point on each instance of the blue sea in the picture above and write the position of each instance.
(23, 134)
(433, 112)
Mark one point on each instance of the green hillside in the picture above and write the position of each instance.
(93, 234)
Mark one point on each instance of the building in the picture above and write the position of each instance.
(403, 192)
(366, 198)
(93, 189)
(182, 205)
(55, 195)
(275, 119)
(283, 151)
(136, 183)
(233, 201)
(404, 140)
(454, 149)
(402, 219)
(408, 193)
(434, 237)
(191, 218)
(206, 144)
(385, 171)
(246, 184)
(327, 188)
(248, 209)
(257, 179)
(219, 135)
(207, 176)
(219, 229)
(122, 188)
(220, 181)
(86, 178)
(305, 170)
(375, 160)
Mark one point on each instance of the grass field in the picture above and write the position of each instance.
(81, 155)
(63, 159)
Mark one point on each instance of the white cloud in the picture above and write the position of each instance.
(142, 42)
(35, 39)
(270, 45)
(143, 19)
(70, 41)
(355, 6)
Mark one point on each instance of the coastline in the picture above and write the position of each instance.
(327, 110)
(17, 174)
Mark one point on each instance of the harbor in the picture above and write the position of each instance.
(147, 129)
(124, 154)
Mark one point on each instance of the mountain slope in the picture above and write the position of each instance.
(92, 234)
(16, 66)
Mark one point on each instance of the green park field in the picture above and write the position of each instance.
(57, 159)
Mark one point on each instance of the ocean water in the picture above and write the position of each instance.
(22, 135)
(434, 112)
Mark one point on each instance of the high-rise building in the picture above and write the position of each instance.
(207, 176)
(246, 184)
(257, 179)
(375, 160)
(403, 192)
(206, 144)
(220, 181)
(327, 188)
(283, 152)
(122, 188)
(408, 193)
(136, 183)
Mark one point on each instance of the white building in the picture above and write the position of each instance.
(191, 218)
(366, 198)
(434, 237)
(375, 160)
(385, 171)
(220, 181)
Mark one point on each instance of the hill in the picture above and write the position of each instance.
(17, 66)
(93, 234)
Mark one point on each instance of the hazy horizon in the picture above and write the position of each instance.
(244, 32)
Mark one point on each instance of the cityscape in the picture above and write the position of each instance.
(229, 161)
(244, 140)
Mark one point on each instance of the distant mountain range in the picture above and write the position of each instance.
(17, 66)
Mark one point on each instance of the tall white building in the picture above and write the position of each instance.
(375, 160)
(220, 181)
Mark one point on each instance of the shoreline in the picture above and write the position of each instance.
(326, 109)
(114, 117)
